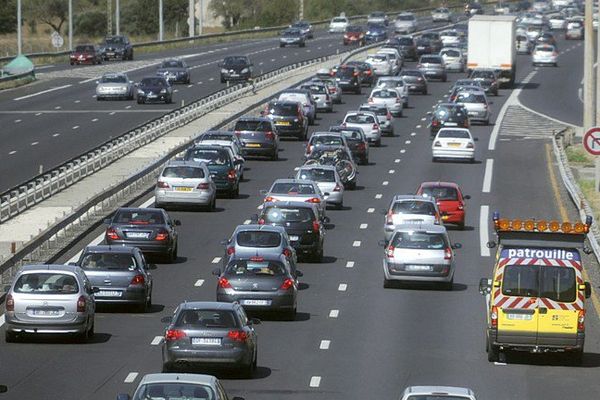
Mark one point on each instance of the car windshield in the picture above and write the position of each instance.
(414, 207)
(327, 140)
(46, 283)
(113, 79)
(174, 391)
(183, 172)
(284, 110)
(419, 240)
(441, 193)
(292, 188)
(315, 89)
(453, 134)
(255, 126)
(235, 60)
(470, 98)
(209, 156)
(431, 60)
(139, 217)
(449, 33)
(405, 41)
(354, 29)
(317, 174)
(431, 36)
(276, 215)
(172, 64)
(545, 48)
(378, 58)
(108, 261)
(483, 74)
(84, 49)
(258, 239)
(450, 53)
(554, 283)
(392, 83)
(412, 73)
(405, 18)
(292, 32)
(152, 82)
(359, 119)
(338, 19)
(252, 267)
(443, 112)
(385, 94)
(466, 82)
(216, 319)
(114, 40)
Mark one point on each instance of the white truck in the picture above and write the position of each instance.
(492, 46)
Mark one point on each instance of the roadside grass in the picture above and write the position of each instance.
(593, 197)
(16, 83)
(577, 155)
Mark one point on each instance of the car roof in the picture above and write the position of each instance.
(202, 379)
(429, 228)
(184, 163)
(451, 128)
(51, 267)
(293, 180)
(439, 184)
(407, 197)
(290, 204)
(206, 305)
(360, 112)
(252, 118)
(109, 249)
(139, 209)
(439, 389)
(326, 133)
(331, 167)
(258, 227)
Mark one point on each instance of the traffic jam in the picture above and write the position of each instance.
(534, 293)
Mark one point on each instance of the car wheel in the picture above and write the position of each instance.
(222, 80)
(166, 368)
(172, 256)
(318, 256)
(577, 357)
(444, 79)
(340, 206)
(425, 92)
(213, 204)
(434, 159)
(140, 100)
(235, 192)
(378, 143)
(486, 122)
(556, 64)
(387, 284)
(364, 161)
(72, 63)
(291, 315)
(472, 160)
(10, 337)
(281, 45)
(493, 352)
(358, 90)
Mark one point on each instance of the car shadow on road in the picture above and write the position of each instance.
(428, 286)
(458, 229)
(528, 85)
(303, 286)
(99, 338)
(261, 372)
(590, 360)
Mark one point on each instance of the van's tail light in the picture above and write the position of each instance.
(448, 253)
(138, 280)
(224, 283)
(375, 127)
(232, 175)
(435, 122)
(287, 284)
(581, 320)
(230, 250)
(174, 334)
(162, 235)
(316, 226)
(237, 336)
(81, 304)
(494, 317)
(162, 185)
(314, 200)
(238, 133)
(112, 234)
(389, 252)
(10, 303)
(203, 186)
(270, 136)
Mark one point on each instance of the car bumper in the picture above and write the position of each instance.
(158, 98)
(278, 300)
(416, 87)
(434, 74)
(531, 342)
(545, 60)
(454, 66)
(113, 55)
(121, 95)
(453, 217)
(258, 149)
(236, 77)
(353, 41)
(76, 326)
(335, 198)
(454, 153)
(147, 247)
(221, 357)
(478, 116)
(192, 198)
(418, 276)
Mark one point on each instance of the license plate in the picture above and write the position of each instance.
(110, 54)
(286, 123)
(251, 302)
(206, 341)
(109, 293)
(520, 317)
(45, 313)
(138, 235)
(418, 267)
(450, 124)
(294, 238)
(454, 144)
(183, 189)
(413, 87)
(412, 221)
(253, 145)
(151, 96)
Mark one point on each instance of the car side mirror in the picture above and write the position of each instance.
(254, 218)
(484, 286)
(457, 246)
(72, 263)
(587, 288)
(299, 273)
(95, 289)
(224, 242)
(216, 272)
(166, 320)
(130, 82)
(6, 288)
(254, 321)
(177, 222)
(107, 221)
(326, 220)
(491, 244)
(476, 139)
(263, 192)
(238, 161)
(3, 388)
(467, 196)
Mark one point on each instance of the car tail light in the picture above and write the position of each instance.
(237, 336)
(232, 175)
(163, 185)
(269, 199)
(261, 221)
(203, 186)
(316, 226)
(419, 79)
(270, 136)
(314, 200)
(470, 145)
(448, 253)
(224, 283)
(344, 125)
(461, 207)
(230, 250)
(389, 252)
(337, 188)
(162, 235)
(287, 252)
(397, 99)
(362, 146)
(494, 317)
(332, 90)
(10, 303)
(437, 144)
(388, 116)
(309, 149)
(581, 320)
(81, 304)
(112, 234)
(435, 122)
(138, 280)
(368, 72)
(174, 334)
(375, 127)
(389, 218)
(288, 283)
(238, 133)
(370, 100)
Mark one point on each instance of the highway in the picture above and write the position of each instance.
(352, 339)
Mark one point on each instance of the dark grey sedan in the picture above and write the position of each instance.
(210, 334)
(149, 229)
(259, 137)
(433, 67)
(174, 70)
(120, 273)
(261, 283)
(416, 81)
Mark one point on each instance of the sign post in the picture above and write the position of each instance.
(591, 143)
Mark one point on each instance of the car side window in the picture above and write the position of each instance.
(221, 394)
(242, 316)
(141, 260)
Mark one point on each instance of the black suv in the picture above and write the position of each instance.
(116, 47)
(235, 68)
(448, 115)
(406, 47)
(288, 117)
(259, 137)
(348, 77)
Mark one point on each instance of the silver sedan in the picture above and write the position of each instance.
(185, 183)
(327, 179)
(114, 86)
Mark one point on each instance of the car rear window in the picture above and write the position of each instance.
(299, 97)
(483, 74)
(450, 53)
(209, 156)
(258, 239)
(327, 140)
(113, 79)
(385, 94)
(139, 217)
(405, 18)
(378, 58)
(449, 33)
(183, 172)
(454, 133)
(354, 29)
(84, 49)
(255, 126)
(172, 64)
(470, 98)
(317, 174)
(377, 110)
(413, 207)
(339, 20)
(174, 391)
(292, 188)
(544, 48)
(441, 193)
(282, 214)
(206, 319)
(431, 60)
(108, 261)
(419, 240)
(254, 268)
(345, 72)
(46, 283)
(359, 119)
(284, 110)
(217, 136)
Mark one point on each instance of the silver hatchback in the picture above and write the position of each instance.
(409, 209)
(50, 299)
(321, 96)
(254, 239)
(328, 180)
(185, 183)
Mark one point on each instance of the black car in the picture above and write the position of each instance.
(149, 229)
(406, 46)
(235, 68)
(154, 89)
(424, 46)
(357, 142)
(292, 36)
(448, 115)
(116, 47)
(221, 164)
(367, 76)
(174, 70)
(348, 78)
(302, 223)
(416, 81)
(434, 41)
(288, 117)
(259, 137)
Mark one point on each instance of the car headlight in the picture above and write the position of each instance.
(140, 92)
(163, 91)
(224, 71)
(244, 70)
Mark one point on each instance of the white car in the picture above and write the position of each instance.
(441, 14)
(396, 83)
(397, 60)
(545, 54)
(367, 121)
(381, 64)
(427, 392)
(405, 23)
(540, 6)
(377, 17)
(453, 143)
(388, 97)
(534, 31)
(296, 190)
(574, 31)
(338, 24)
(450, 38)
(476, 104)
(453, 59)
(557, 22)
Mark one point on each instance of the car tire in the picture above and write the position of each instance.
(233, 194)
(281, 45)
(444, 79)
(339, 206)
(172, 256)
(222, 80)
(486, 122)
(387, 284)
(213, 205)
(275, 155)
(318, 256)
(303, 45)
(378, 143)
(461, 225)
(140, 101)
(434, 159)
(10, 337)
(493, 352)
(166, 368)
(556, 64)
(364, 161)
(577, 357)
(358, 91)
(425, 92)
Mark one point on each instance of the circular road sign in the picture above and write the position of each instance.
(57, 40)
(591, 141)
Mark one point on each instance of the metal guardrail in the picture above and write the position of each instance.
(4, 77)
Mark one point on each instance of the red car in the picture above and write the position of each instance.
(450, 200)
(354, 35)
(85, 54)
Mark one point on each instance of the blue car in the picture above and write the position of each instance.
(376, 33)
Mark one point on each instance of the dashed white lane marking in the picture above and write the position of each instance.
(42, 92)
(189, 86)
(484, 215)
(402, 151)
(57, 107)
(370, 210)
(439, 101)
(261, 63)
(356, 243)
(199, 283)
(38, 114)
(413, 134)
(94, 96)
(128, 107)
(334, 313)
(487, 176)
(418, 126)
(176, 90)
(364, 226)
(397, 161)
(385, 183)
(156, 341)
(95, 120)
(499, 363)
(284, 57)
(260, 207)
(111, 113)
(76, 127)
(350, 264)
(35, 143)
(199, 83)
(55, 134)
(423, 119)
(247, 222)
(131, 377)
(211, 79)
(17, 121)
(324, 344)
(407, 142)
(2, 319)
(77, 101)
(392, 171)
(315, 381)
(216, 260)
(272, 60)
(378, 196)
(10, 153)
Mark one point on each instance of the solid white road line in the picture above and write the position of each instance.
(364, 226)
(402, 151)
(315, 381)
(484, 216)
(2, 319)
(350, 264)
(42, 92)
(156, 341)
(199, 282)
(10, 153)
(216, 260)
(334, 313)
(356, 243)
(324, 344)
(131, 377)
(487, 176)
